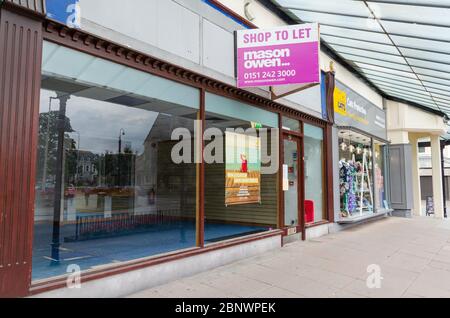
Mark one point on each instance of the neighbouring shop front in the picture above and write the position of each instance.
(363, 156)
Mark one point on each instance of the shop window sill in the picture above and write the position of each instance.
(368, 216)
(316, 224)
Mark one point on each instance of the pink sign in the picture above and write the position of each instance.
(279, 56)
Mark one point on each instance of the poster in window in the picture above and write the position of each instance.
(242, 169)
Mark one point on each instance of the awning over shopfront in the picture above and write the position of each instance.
(402, 47)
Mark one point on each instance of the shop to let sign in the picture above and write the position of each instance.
(280, 56)
(242, 169)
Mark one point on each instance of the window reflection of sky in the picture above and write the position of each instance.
(98, 123)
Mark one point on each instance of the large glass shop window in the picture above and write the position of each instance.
(314, 174)
(107, 189)
(356, 177)
(240, 185)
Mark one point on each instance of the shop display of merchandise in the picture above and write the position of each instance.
(355, 189)
(347, 185)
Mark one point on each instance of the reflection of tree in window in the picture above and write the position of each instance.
(47, 147)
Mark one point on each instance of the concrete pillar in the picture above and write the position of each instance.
(415, 174)
(437, 176)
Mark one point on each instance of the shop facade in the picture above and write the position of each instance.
(408, 127)
(362, 157)
(105, 168)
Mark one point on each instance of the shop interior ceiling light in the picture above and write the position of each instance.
(344, 146)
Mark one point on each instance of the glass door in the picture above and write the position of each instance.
(291, 181)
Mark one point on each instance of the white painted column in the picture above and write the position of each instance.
(417, 192)
(437, 176)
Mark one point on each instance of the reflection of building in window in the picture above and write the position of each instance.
(157, 175)
(86, 167)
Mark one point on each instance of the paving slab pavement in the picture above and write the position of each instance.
(413, 256)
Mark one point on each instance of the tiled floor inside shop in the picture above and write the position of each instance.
(94, 253)
(412, 254)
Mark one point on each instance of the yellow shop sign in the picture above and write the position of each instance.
(340, 102)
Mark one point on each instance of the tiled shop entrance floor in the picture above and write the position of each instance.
(413, 255)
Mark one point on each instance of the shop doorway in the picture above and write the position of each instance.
(292, 183)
